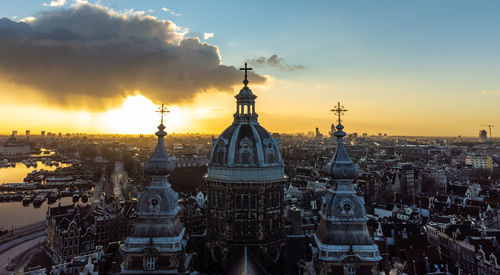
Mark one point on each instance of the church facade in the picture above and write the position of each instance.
(245, 179)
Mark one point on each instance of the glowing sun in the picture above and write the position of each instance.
(137, 116)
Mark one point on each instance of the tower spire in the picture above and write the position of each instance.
(340, 165)
(246, 77)
(343, 233)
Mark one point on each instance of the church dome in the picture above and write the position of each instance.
(11, 140)
(245, 151)
(245, 145)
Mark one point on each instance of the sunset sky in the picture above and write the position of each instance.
(400, 67)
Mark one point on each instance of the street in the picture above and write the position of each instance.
(21, 246)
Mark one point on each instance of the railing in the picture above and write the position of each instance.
(26, 229)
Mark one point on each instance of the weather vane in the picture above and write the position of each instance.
(245, 69)
(162, 110)
(339, 111)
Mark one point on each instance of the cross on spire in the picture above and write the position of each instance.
(162, 110)
(339, 111)
(245, 69)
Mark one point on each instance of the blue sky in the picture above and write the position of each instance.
(438, 56)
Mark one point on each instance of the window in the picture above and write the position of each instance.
(237, 201)
(351, 270)
(150, 263)
(253, 202)
(244, 204)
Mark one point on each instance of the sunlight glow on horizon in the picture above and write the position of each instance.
(137, 116)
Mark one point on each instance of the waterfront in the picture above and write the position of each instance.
(18, 173)
(14, 214)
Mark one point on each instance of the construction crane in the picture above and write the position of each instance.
(489, 126)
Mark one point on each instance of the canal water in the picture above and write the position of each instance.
(14, 214)
(18, 173)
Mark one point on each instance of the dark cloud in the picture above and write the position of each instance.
(274, 61)
(96, 52)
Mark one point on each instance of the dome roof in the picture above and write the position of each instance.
(159, 163)
(245, 145)
(245, 151)
(11, 140)
(245, 94)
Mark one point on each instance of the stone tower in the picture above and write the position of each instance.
(156, 244)
(245, 178)
(342, 242)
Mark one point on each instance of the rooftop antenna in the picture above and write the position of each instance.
(489, 126)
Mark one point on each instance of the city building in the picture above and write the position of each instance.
(13, 147)
(318, 134)
(479, 161)
(483, 136)
(77, 230)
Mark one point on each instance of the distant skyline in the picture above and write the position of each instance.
(421, 68)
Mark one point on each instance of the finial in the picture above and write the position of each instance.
(246, 69)
(339, 111)
(162, 110)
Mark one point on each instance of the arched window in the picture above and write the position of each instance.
(245, 157)
(221, 154)
(246, 154)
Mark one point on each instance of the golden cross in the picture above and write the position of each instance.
(162, 110)
(339, 110)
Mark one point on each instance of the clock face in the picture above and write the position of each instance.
(347, 207)
(154, 202)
